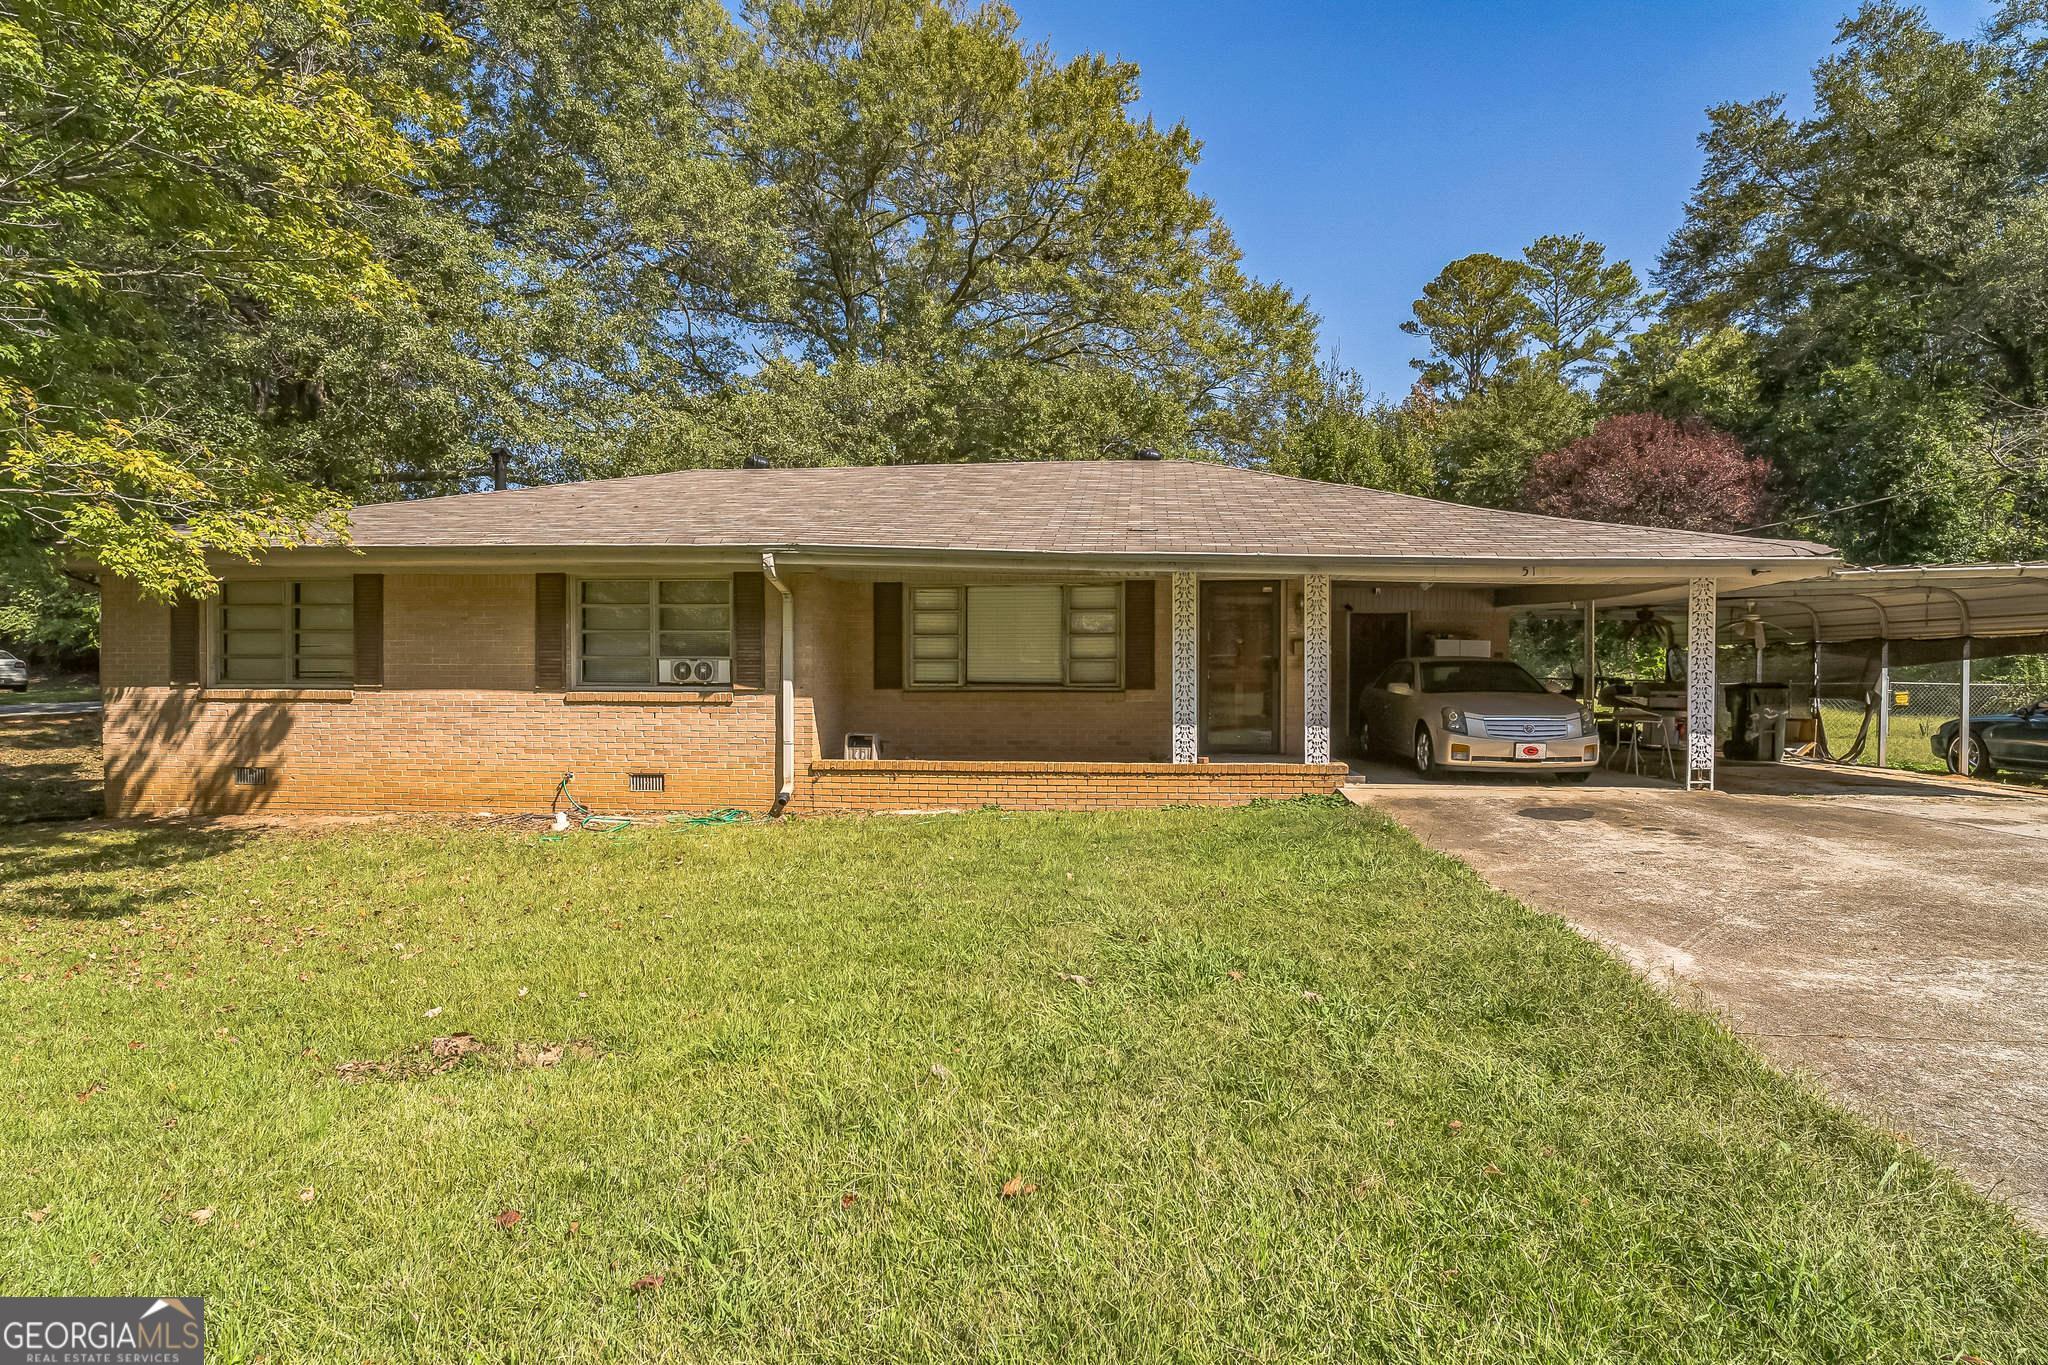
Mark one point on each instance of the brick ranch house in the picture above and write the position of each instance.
(1025, 635)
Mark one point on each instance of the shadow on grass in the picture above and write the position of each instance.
(98, 871)
(50, 768)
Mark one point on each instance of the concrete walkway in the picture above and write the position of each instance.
(1887, 935)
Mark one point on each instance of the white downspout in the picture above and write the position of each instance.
(785, 703)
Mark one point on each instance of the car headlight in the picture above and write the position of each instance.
(1454, 721)
(1587, 725)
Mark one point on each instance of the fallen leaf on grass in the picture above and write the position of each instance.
(38, 1215)
(306, 1195)
(1015, 1188)
(201, 1216)
(647, 1283)
(849, 1199)
(1489, 1169)
(1455, 1125)
(1083, 982)
(941, 1072)
(91, 1090)
(1235, 975)
(1313, 997)
(507, 1217)
(432, 1013)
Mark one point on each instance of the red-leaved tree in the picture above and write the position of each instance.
(1648, 470)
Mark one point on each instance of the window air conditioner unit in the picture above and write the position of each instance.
(862, 746)
(696, 672)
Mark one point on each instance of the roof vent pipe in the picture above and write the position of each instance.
(755, 462)
(1146, 453)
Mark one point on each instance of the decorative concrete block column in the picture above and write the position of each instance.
(1187, 616)
(1702, 638)
(1315, 668)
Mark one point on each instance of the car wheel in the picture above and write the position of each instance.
(1424, 754)
(1980, 762)
(1364, 740)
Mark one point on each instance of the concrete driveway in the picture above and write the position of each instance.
(1888, 936)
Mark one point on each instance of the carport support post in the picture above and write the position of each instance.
(1187, 606)
(1884, 703)
(1590, 692)
(1315, 668)
(1963, 730)
(1702, 681)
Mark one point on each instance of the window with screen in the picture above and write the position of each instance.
(627, 626)
(1015, 635)
(287, 632)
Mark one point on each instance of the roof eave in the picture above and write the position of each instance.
(1490, 569)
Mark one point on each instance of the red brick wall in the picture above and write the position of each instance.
(458, 727)
(843, 785)
(835, 657)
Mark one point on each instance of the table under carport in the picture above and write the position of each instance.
(1857, 625)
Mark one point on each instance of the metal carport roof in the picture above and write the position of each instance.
(1947, 602)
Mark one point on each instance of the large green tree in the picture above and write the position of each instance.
(176, 175)
(1886, 256)
(851, 230)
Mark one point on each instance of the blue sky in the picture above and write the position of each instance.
(1356, 148)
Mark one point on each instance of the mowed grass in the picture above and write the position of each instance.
(1318, 1095)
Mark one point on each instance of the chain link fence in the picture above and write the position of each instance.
(1919, 710)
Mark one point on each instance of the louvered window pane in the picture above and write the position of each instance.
(1014, 635)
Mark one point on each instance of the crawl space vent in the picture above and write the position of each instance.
(251, 777)
(647, 782)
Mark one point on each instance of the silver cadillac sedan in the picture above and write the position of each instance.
(1489, 715)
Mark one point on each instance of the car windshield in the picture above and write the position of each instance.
(1477, 675)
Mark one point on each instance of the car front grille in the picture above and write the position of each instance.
(1521, 727)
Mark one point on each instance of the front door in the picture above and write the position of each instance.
(1240, 685)
(1377, 639)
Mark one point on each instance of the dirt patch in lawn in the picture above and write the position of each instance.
(49, 768)
(439, 1056)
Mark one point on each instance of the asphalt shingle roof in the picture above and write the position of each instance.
(1158, 508)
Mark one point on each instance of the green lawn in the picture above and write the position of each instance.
(1317, 1095)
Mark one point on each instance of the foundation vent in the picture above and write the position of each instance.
(252, 777)
(647, 782)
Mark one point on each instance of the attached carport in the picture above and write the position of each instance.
(1855, 624)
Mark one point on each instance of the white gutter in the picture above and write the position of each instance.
(785, 702)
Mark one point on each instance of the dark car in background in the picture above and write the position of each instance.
(2015, 741)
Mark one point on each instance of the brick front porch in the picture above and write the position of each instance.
(946, 784)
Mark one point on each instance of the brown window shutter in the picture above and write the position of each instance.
(550, 632)
(1141, 647)
(369, 627)
(888, 635)
(749, 612)
(185, 642)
